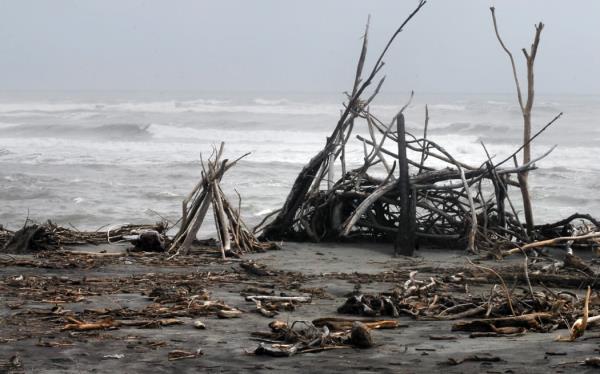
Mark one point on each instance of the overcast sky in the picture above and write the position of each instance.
(279, 45)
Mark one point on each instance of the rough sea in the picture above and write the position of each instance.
(89, 159)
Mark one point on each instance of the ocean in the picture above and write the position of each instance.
(91, 159)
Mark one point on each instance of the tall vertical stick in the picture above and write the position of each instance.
(404, 243)
(525, 110)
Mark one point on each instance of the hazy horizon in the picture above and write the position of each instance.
(271, 46)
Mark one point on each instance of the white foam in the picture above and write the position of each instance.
(448, 107)
(259, 106)
(263, 212)
(262, 101)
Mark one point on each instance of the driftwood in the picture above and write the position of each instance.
(300, 299)
(526, 107)
(235, 237)
(306, 337)
(340, 324)
(529, 321)
(33, 237)
(414, 191)
(308, 181)
(411, 191)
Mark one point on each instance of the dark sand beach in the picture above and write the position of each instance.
(30, 331)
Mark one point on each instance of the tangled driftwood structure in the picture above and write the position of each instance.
(422, 193)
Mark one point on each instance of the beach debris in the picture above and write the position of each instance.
(33, 237)
(115, 356)
(360, 335)
(53, 344)
(13, 365)
(507, 325)
(580, 325)
(235, 238)
(341, 324)
(269, 305)
(254, 290)
(483, 357)
(110, 323)
(256, 268)
(592, 361)
(307, 337)
(576, 262)
(149, 241)
(178, 354)
(268, 312)
(498, 314)
(231, 313)
(442, 337)
(88, 326)
(299, 299)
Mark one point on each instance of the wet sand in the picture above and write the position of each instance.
(225, 343)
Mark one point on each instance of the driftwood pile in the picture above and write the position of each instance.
(33, 237)
(234, 236)
(414, 192)
(502, 311)
(319, 335)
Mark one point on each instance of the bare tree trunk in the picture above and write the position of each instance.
(524, 176)
(526, 111)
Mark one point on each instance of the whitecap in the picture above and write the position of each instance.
(449, 107)
(262, 101)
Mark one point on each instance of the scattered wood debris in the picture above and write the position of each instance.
(179, 354)
(51, 237)
(473, 358)
(316, 336)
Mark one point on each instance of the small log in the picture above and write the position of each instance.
(229, 313)
(550, 242)
(344, 324)
(78, 325)
(300, 299)
(526, 320)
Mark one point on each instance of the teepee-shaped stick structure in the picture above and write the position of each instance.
(234, 236)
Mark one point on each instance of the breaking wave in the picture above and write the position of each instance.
(254, 106)
(109, 131)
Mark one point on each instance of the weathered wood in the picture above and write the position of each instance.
(191, 234)
(300, 299)
(405, 238)
(223, 222)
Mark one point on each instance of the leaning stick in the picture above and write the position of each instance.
(384, 188)
(423, 153)
(222, 224)
(195, 226)
(473, 231)
(549, 242)
(378, 149)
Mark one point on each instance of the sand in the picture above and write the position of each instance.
(225, 343)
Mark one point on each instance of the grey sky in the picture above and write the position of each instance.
(279, 45)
